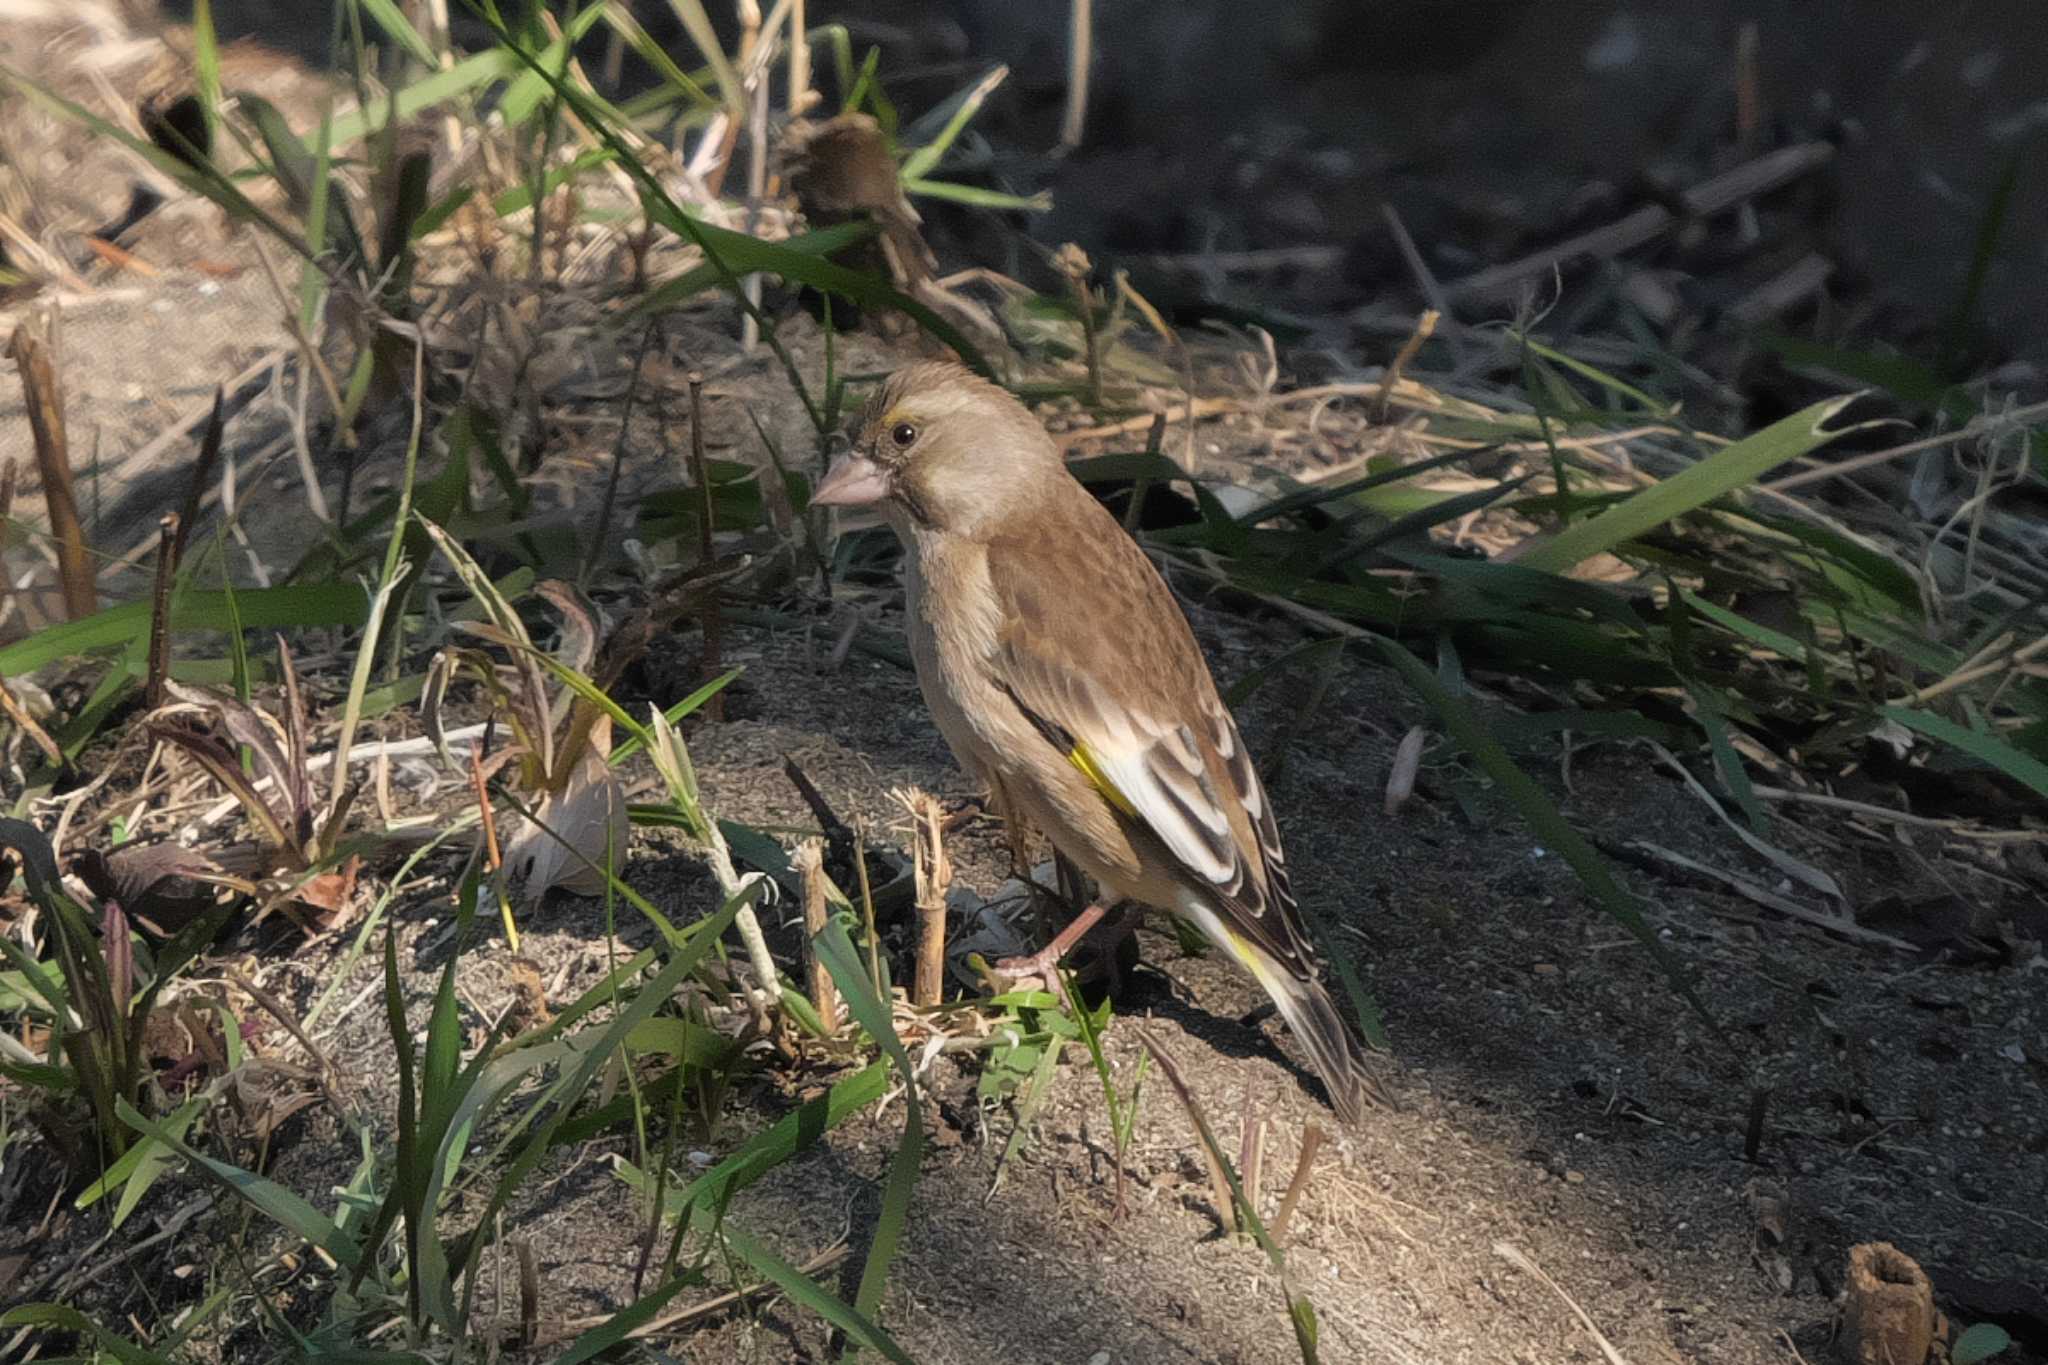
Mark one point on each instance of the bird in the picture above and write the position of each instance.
(1063, 674)
(842, 171)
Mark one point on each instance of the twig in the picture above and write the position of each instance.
(202, 474)
(1219, 1183)
(1425, 328)
(160, 611)
(838, 836)
(1959, 828)
(1425, 278)
(824, 1260)
(700, 471)
(611, 481)
(1080, 55)
(1835, 470)
(1519, 1259)
(809, 862)
(29, 726)
(1251, 1153)
(44, 398)
(1073, 263)
(1304, 1168)
(1724, 191)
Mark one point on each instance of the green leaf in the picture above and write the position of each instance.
(312, 604)
(1717, 475)
(274, 1201)
(806, 1292)
(1979, 1342)
(1986, 749)
(796, 1131)
(392, 20)
(67, 1319)
(139, 1166)
(836, 950)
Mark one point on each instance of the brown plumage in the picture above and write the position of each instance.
(1062, 673)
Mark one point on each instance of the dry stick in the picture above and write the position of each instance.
(714, 622)
(809, 861)
(1219, 1184)
(1724, 191)
(1518, 1258)
(1304, 1167)
(529, 1292)
(754, 90)
(1251, 1153)
(2017, 417)
(1080, 54)
(611, 482)
(160, 610)
(202, 474)
(1073, 263)
(1411, 255)
(29, 726)
(44, 398)
(489, 820)
(823, 1261)
(1425, 328)
(800, 96)
(934, 875)
(9, 469)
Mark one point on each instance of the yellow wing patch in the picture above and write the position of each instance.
(1085, 761)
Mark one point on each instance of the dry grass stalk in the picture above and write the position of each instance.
(1219, 1183)
(1251, 1155)
(1304, 1168)
(700, 471)
(26, 722)
(934, 876)
(809, 861)
(1520, 1259)
(202, 474)
(1425, 328)
(167, 532)
(1080, 55)
(43, 396)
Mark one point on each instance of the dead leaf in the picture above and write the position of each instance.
(566, 841)
(164, 886)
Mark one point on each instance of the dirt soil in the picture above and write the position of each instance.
(1557, 1098)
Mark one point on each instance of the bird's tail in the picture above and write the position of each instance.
(1339, 1059)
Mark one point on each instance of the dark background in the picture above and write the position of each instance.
(1493, 128)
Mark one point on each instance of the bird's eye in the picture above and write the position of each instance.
(903, 434)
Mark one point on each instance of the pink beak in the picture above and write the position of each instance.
(853, 481)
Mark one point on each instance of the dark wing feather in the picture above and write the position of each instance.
(1095, 652)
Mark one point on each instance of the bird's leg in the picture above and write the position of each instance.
(1042, 964)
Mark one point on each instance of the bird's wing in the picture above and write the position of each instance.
(1097, 655)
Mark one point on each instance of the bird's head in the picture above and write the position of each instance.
(940, 448)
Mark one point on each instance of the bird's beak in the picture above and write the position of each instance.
(853, 481)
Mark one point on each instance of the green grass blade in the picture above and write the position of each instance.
(958, 111)
(274, 1201)
(836, 950)
(321, 604)
(807, 1293)
(392, 20)
(1719, 474)
(206, 68)
(67, 1319)
(1986, 749)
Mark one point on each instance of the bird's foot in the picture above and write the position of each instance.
(1113, 951)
